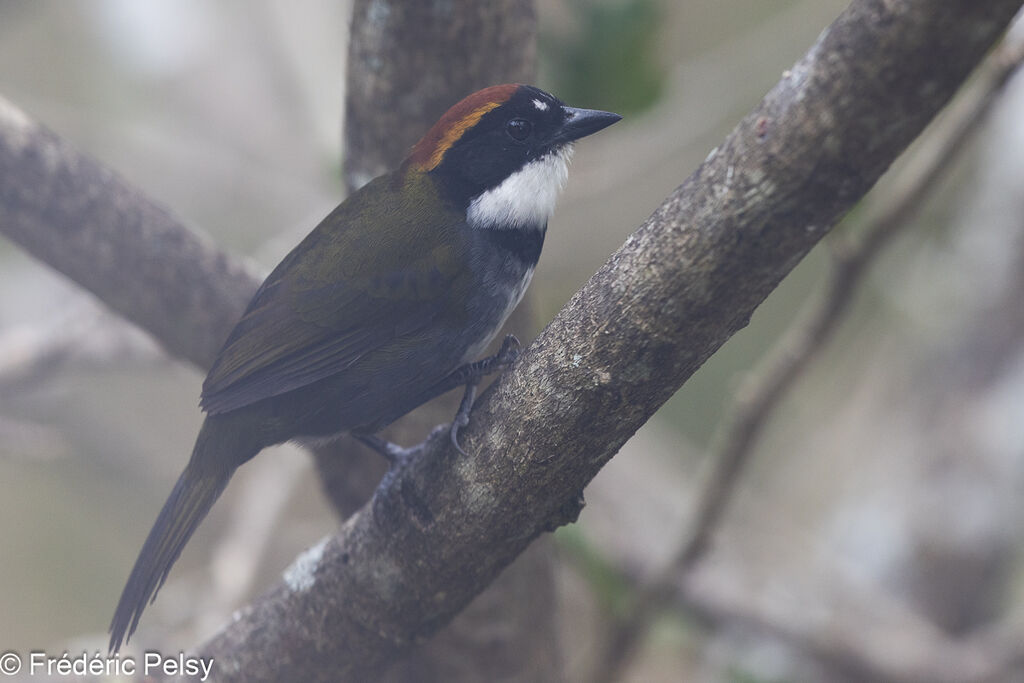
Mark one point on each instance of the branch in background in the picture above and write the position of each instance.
(409, 61)
(866, 635)
(84, 337)
(758, 399)
(441, 529)
(84, 221)
(858, 632)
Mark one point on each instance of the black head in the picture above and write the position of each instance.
(493, 134)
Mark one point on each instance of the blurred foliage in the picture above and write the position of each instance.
(610, 588)
(610, 60)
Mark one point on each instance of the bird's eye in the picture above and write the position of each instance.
(519, 129)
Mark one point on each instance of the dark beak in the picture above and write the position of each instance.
(579, 123)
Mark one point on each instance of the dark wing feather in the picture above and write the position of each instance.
(347, 289)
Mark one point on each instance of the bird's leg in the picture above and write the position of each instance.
(472, 373)
(468, 376)
(393, 453)
(461, 418)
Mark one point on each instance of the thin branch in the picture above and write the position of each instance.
(861, 632)
(763, 393)
(867, 635)
(84, 336)
(81, 336)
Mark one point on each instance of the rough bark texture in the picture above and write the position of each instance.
(508, 633)
(440, 530)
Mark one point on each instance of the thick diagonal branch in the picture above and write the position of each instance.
(762, 394)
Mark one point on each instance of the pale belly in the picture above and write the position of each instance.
(502, 307)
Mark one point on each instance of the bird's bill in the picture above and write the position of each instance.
(580, 123)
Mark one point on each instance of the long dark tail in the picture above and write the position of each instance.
(197, 489)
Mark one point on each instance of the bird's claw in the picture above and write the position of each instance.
(461, 418)
(392, 452)
(509, 351)
(453, 432)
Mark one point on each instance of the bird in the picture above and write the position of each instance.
(386, 304)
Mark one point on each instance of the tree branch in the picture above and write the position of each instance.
(864, 635)
(759, 397)
(441, 529)
(84, 221)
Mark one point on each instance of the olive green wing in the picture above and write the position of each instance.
(347, 289)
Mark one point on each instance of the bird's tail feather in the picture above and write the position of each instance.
(197, 489)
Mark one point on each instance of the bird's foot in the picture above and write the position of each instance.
(461, 418)
(505, 357)
(468, 376)
(472, 373)
(395, 454)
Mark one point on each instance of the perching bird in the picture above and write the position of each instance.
(385, 305)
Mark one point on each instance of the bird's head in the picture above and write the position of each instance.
(502, 153)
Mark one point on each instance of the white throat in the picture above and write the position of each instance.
(526, 199)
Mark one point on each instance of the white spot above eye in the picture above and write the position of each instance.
(526, 199)
(541, 105)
